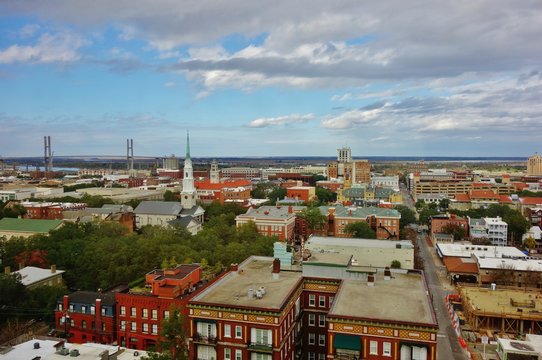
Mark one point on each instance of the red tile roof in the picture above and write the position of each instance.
(531, 200)
(460, 265)
(483, 194)
(462, 197)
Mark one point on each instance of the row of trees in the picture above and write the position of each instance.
(273, 192)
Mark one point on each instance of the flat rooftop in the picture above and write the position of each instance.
(504, 301)
(232, 289)
(320, 241)
(404, 298)
(466, 250)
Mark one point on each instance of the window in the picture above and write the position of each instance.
(312, 338)
(311, 355)
(72, 322)
(321, 320)
(373, 348)
(84, 324)
(386, 349)
(71, 307)
(227, 354)
(133, 326)
(321, 356)
(166, 314)
(238, 332)
(331, 299)
(322, 340)
(260, 336)
(227, 330)
(104, 327)
(322, 301)
(145, 328)
(83, 309)
(154, 328)
(144, 313)
(132, 311)
(104, 310)
(312, 300)
(238, 355)
(312, 319)
(123, 310)
(122, 325)
(154, 314)
(60, 307)
(92, 310)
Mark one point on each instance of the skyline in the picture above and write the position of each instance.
(251, 79)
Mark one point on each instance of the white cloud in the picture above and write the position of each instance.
(281, 120)
(50, 48)
(170, 84)
(29, 30)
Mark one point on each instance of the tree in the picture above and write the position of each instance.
(443, 204)
(171, 196)
(480, 241)
(395, 264)
(276, 194)
(420, 204)
(173, 335)
(313, 217)
(425, 214)
(325, 196)
(157, 356)
(360, 230)
(407, 216)
(530, 243)
(457, 231)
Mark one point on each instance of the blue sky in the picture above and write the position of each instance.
(256, 78)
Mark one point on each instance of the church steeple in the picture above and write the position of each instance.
(187, 145)
(189, 192)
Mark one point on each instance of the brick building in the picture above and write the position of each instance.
(439, 222)
(272, 220)
(142, 310)
(259, 312)
(49, 210)
(303, 193)
(385, 222)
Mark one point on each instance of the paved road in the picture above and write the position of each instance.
(447, 344)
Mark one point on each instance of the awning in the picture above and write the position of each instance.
(348, 342)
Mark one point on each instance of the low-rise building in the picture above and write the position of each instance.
(167, 213)
(33, 277)
(272, 220)
(49, 210)
(10, 227)
(440, 223)
(303, 193)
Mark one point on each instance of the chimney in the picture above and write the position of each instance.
(276, 269)
(387, 273)
(7, 270)
(21, 265)
(53, 269)
(371, 280)
(290, 209)
(234, 267)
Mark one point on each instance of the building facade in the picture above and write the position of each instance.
(534, 165)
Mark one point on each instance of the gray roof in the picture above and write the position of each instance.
(89, 297)
(272, 212)
(477, 222)
(360, 212)
(159, 208)
(183, 221)
(192, 211)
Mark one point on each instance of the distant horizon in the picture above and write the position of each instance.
(300, 77)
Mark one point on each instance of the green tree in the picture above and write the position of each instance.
(360, 230)
(173, 335)
(407, 216)
(276, 194)
(425, 214)
(444, 204)
(457, 231)
(314, 218)
(325, 196)
(530, 243)
(395, 264)
(171, 196)
(420, 204)
(157, 356)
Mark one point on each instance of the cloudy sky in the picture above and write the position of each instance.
(257, 78)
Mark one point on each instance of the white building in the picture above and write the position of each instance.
(391, 182)
(497, 231)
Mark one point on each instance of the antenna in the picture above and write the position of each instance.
(130, 156)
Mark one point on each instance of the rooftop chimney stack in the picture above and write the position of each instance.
(276, 269)
(387, 273)
(53, 269)
(371, 280)
(234, 267)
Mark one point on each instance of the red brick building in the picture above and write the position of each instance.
(87, 317)
(295, 315)
(226, 191)
(303, 193)
(438, 222)
(141, 311)
(49, 210)
(272, 220)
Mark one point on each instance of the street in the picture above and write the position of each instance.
(447, 345)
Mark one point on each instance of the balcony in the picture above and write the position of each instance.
(260, 347)
(207, 340)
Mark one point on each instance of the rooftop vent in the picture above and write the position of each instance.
(371, 280)
(74, 353)
(36, 345)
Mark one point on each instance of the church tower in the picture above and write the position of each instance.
(215, 173)
(189, 194)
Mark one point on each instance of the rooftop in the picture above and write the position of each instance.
(360, 212)
(271, 212)
(159, 208)
(31, 275)
(317, 241)
(29, 225)
(404, 298)
(253, 273)
(466, 250)
(504, 301)
(518, 264)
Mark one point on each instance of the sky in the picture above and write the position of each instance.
(271, 78)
